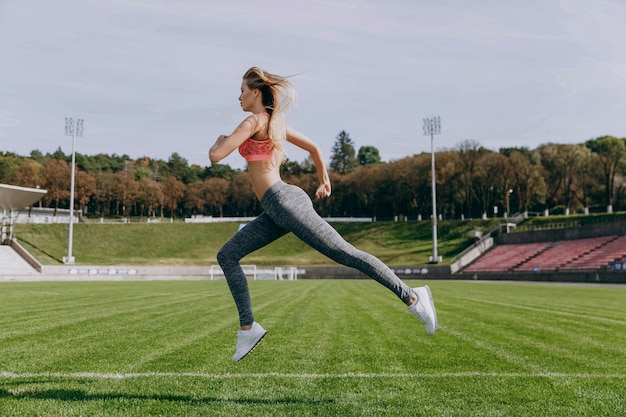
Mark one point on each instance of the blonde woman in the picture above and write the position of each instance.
(260, 139)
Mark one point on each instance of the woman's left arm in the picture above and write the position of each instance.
(303, 142)
(225, 145)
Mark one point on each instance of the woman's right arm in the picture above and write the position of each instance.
(303, 142)
(224, 145)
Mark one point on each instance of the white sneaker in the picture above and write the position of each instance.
(424, 309)
(247, 340)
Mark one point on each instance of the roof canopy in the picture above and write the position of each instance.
(16, 198)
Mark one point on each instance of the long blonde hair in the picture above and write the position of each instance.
(277, 95)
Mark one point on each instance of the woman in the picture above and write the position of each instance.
(260, 139)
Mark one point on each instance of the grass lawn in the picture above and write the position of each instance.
(395, 243)
(334, 348)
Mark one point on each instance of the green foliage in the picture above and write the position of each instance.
(343, 159)
(368, 155)
(471, 181)
(219, 171)
(334, 348)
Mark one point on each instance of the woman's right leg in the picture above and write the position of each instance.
(292, 208)
(256, 234)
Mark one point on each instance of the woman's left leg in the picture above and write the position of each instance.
(253, 236)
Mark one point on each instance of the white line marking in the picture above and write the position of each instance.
(97, 375)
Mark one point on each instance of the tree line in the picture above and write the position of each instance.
(471, 182)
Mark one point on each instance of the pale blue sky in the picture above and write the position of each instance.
(154, 77)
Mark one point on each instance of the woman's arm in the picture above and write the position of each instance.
(224, 145)
(303, 142)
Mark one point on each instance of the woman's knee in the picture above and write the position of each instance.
(226, 256)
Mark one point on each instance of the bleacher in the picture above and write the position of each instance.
(562, 253)
(567, 255)
(611, 251)
(503, 258)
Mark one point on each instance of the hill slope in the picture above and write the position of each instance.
(395, 243)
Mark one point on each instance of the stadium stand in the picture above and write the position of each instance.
(601, 257)
(563, 252)
(586, 254)
(503, 258)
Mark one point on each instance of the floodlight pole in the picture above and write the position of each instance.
(73, 128)
(432, 126)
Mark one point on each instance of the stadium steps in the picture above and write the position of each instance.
(601, 257)
(568, 255)
(562, 253)
(503, 258)
(11, 263)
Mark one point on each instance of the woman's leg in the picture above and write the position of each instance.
(291, 208)
(256, 234)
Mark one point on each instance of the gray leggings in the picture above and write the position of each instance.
(289, 209)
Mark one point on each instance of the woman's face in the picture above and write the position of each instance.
(247, 96)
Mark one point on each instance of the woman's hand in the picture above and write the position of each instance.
(323, 190)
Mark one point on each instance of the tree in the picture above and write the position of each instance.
(125, 191)
(527, 179)
(242, 200)
(218, 189)
(494, 182)
(290, 168)
(85, 188)
(105, 184)
(59, 155)
(8, 164)
(29, 174)
(195, 197)
(179, 167)
(36, 155)
(611, 152)
(587, 183)
(365, 188)
(470, 152)
(173, 191)
(57, 181)
(219, 171)
(448, 183)
(368, 155)
(563, 166)
(343, 158)
(150, 196)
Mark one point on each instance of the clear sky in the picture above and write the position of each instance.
(154, 77)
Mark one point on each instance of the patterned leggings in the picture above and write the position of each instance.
(289, 209)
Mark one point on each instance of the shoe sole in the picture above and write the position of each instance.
(255, 345)
(432, 306)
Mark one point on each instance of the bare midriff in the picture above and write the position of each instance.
(263, 174)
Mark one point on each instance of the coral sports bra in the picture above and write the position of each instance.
(256, 150)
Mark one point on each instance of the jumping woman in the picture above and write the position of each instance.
(260, 138)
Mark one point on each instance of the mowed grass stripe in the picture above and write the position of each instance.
(590, 313)
(84, 301)
(121, 323)
(277, 375)
(534, 339)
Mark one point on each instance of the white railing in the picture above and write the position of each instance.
(289, 273)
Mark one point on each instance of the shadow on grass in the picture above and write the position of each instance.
(51, 256)
(78, 395)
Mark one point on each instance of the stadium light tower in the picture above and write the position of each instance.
(432, 126)
(73, 128)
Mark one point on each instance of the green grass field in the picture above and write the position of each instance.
(395, 243)
(334, 348)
